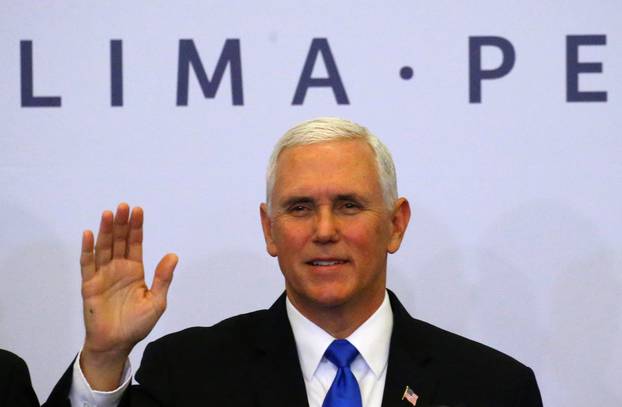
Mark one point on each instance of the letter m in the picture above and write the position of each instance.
(188, 56)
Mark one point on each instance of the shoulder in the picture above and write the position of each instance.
(456, 350)
(454, 354)
(194, 356)
(15, 386)
(233, 339)
(239, 328)
(473, 371)
(10, 363)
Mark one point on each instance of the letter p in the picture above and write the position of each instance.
(477, 74)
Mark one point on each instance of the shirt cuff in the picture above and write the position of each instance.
(82, 395)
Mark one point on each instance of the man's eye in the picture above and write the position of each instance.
(298, 209)
(350, 207)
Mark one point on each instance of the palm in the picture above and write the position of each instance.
(119, 308)
(117, 305)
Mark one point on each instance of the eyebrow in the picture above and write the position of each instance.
(351, 197)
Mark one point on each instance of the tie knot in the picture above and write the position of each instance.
(341, 353)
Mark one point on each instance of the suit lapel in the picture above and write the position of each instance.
(277, 376)
(410, 362)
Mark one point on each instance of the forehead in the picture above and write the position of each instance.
(326, 165)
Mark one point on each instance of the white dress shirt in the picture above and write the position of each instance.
(371, 339)
(81, 394)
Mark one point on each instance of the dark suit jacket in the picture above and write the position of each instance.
(251, 360)
(15, 386)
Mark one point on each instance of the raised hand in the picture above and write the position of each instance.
(119, 308)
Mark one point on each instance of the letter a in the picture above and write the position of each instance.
(320, 46)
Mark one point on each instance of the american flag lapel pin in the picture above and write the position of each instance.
(410, 396)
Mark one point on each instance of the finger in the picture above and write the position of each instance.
(120, 229)
(162, 278)
(135, 238)
(87, 257)
(103, 245)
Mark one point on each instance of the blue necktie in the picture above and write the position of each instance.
(344, 392)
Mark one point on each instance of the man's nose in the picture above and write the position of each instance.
(326, 226)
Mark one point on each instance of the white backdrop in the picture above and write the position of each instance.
(517, 206)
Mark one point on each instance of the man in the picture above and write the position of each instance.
(336, 338)
(15, 386)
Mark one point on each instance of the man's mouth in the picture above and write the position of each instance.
(325, 263)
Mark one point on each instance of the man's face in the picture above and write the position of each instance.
(330, 227)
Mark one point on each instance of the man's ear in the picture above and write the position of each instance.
(266, 225)
(399, 221)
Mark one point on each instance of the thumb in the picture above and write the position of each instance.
(163, 277)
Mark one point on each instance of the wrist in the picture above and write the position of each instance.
(103, 370)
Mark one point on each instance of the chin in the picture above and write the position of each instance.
(327, 297)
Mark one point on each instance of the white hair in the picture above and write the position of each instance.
(326, 129)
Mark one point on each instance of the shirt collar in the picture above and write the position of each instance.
(372, 339)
